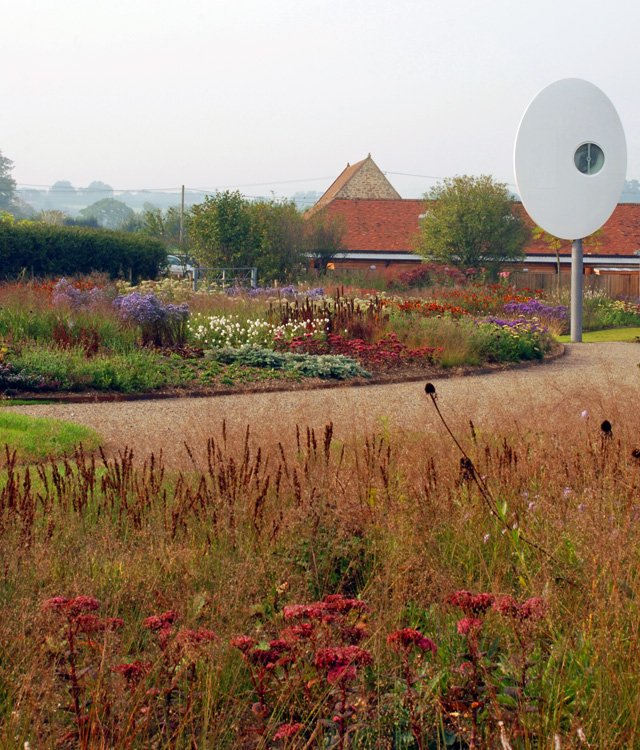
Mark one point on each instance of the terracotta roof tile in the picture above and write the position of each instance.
(340, 181)
(361, 188)
(391, 225)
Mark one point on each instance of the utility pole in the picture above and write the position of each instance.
(182, 220)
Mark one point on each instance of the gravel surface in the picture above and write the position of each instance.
(602, 378)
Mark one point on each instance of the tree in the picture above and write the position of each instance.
(469, 222)
(110, 213)
(324, 239)
(220, 229)
(277, 231)
(96, 191)
(165, 226)
(62, 195)
(593, 241)
(63, 187)
(7, 183)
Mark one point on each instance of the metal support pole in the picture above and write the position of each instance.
(576, 292)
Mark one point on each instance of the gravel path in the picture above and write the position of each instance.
(602, 378)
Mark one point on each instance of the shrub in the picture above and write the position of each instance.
(47, 250)
(511, 340)
(311, 366)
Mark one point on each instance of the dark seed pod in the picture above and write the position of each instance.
(430, 389)
(606, 427)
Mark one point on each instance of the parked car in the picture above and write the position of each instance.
(180, 265)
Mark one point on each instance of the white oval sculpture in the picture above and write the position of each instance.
(570, 159)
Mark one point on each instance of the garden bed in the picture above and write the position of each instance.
(248, 381)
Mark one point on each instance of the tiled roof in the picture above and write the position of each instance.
(336, 186)
(363, 180)
(391, 225)
(619, 236)
(382, 225)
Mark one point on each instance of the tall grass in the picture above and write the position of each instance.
(397, 520)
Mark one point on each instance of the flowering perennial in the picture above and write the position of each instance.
(387, 351)
(161, 323)
(534, 307)
(76, 295)
(218, 331)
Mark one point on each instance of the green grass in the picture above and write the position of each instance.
(24, 401)
(611, 334)
(37, 439)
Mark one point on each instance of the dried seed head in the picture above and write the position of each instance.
(430, 389)
(636, 453)
(606, 427)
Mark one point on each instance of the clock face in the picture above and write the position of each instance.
(589, 158)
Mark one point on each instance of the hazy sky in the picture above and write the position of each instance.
(232, 93)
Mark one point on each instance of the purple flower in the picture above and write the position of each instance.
(161, 323)
(534, 307)
(64, 293)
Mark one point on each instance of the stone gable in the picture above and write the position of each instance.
(361, 181)
(368, 183)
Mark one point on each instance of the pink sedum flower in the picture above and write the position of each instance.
(469, 626)
(409, 637)
(287, 730)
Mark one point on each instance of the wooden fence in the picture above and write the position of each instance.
(622, 285)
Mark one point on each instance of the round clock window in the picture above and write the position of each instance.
(589, 158)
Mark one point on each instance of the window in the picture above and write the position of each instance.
(589, 158)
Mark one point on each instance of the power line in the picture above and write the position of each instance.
(172, 189)
(431, 177)
(205, 190)
(424, 176)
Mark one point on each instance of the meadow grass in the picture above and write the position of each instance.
(398, 520)
(35, 439)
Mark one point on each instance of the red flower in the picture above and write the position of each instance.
(243, 642)
(339, 603)
(470, 603)
(532, 609)
(341, 662)
(134, 671)
(158, 622)
(287, 730)
(304, 611)
(71, 607)
(408, 637)
(295, 632)
(469, 626)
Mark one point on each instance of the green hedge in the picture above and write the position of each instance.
(44, 250)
